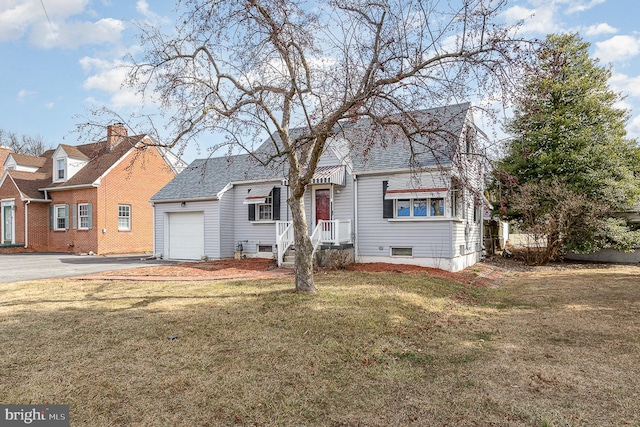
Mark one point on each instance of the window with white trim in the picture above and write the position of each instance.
(124, 217)
(419, 208)
(83, 216)
(265, 210)
(60, 168)
(457, 202)
(60, 217)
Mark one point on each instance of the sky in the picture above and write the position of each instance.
(61, 59)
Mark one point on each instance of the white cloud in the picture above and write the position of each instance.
(596, 30)
(143, 7)
(617, 48)
(49, 105)
(109, 76)
(575, 6)
(629, 86)
(541, 20)
(633, 128)
(77, 33)
(51, 25)
(23, 94)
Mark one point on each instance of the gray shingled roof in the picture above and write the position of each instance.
(205, 178)
(386, 149)
(391, 149)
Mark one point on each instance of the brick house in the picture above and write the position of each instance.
(85, 198)
(4, 153)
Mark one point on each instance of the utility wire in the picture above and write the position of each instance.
(55, 36)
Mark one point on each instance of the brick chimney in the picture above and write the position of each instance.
(114, 133)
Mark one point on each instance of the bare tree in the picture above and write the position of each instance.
(251, 68)
(23, 144)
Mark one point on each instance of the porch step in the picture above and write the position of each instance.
(289, 258)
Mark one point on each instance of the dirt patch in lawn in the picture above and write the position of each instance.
(220, 269)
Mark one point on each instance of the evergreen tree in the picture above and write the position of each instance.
(567, 131)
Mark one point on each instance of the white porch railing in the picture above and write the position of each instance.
(284, 238)
(334, 232)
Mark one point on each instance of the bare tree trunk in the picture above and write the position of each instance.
(303, 267)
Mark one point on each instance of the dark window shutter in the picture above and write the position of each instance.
(66, 217)
(275, 193)
(387, 205)
(51, 219)
(74, 216)
(252, 212)
(90, 210)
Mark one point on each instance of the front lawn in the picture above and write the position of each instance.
(369, 349)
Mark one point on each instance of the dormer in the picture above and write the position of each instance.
(24, 163)
(67, 161)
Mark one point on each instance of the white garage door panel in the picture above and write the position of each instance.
(186, 235)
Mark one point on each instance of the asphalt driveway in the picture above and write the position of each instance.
(32, 266)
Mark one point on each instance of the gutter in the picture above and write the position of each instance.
(69, 187)
(178, 200)
(403, 170)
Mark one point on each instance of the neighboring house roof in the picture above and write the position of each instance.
(4, 153)
(28, 183)
(31, 161)
(388, 150)
(101, 158)
(75, 151)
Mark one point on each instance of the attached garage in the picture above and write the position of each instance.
(185, 235)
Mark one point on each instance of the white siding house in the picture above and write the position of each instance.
(391, 205)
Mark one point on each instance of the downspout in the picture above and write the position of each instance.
(153, 235)
(356, 252)
(26, 224)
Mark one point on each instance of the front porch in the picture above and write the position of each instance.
(327, 232)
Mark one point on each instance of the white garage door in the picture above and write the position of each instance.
(186, 235)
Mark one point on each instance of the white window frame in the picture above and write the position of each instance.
(82, 217)
(123, 217)
(457, 201)
(401, 248)
(412, 206)
(57, 217)
(264, 211)
(62, 169)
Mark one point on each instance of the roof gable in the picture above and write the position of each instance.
(28, 161)
(27, 183)
(100, 158)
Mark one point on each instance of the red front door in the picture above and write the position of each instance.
(323, 204)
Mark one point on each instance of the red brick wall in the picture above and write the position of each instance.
(38, 226)
(73, 240)
(132, 182)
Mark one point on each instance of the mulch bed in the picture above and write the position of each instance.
(478, 275)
